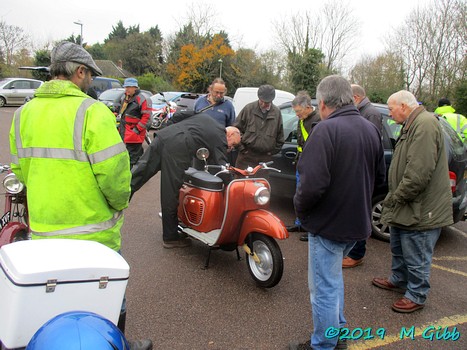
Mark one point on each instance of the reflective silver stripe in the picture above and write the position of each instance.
(19, 144)
(14, 159)
(83, 230)
(56, 153)
(79, 123)
(107, 153)
(142, 125)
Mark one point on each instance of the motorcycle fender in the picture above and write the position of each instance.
(262, 221)
(9, 231)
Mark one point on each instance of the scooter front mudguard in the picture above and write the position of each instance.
(10, 230)
(262, 221)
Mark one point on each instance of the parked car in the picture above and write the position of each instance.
(101, 84)
(159, 99)
(13, 91)
(111, 98)
(283, 184)
(245, 95)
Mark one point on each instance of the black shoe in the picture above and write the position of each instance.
(179, 243)
(341, 344)
(145, 344)
(294, 228)
(303, 346)
(304, 237)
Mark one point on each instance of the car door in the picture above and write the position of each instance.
(19, 90)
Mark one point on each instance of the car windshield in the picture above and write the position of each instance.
(110, 94)
(158, 99)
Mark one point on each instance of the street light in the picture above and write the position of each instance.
(81, 35)
(220, 68)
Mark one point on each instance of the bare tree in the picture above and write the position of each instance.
(333, 30)
(433, 42)
(12, 39)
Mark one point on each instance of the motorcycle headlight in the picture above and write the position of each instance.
(12, 184)
(262, 196)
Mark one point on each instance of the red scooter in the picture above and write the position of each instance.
(229, 209)
(14, 224)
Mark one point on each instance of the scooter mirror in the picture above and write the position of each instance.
(202, 153)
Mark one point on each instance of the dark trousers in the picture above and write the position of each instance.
(156, 159)
(358, 251)
(135, 150)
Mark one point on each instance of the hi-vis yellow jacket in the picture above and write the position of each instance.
(66, 150)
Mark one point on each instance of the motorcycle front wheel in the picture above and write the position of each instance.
(268, 271)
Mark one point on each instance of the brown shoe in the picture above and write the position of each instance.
(179, 243)
(385, 284)
(348, 262)
(406, 306)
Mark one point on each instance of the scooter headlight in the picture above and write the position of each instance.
(12, 184)
(262, 196)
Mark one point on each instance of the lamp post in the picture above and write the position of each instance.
(81, 35)
(220, 68)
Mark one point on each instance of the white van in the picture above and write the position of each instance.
(245, 95)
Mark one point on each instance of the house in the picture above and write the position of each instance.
(110, 69)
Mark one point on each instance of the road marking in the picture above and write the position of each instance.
(449, 270)
(445, 322)
(450, 258)
(462, 233)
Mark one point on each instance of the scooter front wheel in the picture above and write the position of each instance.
(265, 262)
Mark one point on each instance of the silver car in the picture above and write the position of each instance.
(13, 91)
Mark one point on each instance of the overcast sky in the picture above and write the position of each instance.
(248, 22)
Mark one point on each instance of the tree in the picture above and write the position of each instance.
(118, 32)
(432, 42)
(12, 39)
(197, 67)
(333, 30)
(305, 70)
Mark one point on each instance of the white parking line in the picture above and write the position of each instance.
(462, 233)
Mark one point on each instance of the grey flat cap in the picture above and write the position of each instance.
(266, 93)
(70, 52)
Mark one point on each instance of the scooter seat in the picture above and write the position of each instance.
(202, 179)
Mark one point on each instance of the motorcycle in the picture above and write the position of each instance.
(163, 115)
(229, 209)
(14, 224)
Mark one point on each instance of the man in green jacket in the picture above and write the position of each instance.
(66, 150)
(418, 203)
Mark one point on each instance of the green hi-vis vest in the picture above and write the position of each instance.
(304, 134)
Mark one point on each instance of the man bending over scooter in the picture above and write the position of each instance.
(172, 152)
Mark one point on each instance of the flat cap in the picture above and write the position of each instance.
(69, 52)
(266, 93)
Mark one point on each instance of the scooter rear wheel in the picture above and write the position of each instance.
(268, 272)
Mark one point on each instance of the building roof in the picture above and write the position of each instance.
(110, 69)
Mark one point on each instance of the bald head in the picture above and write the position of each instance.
(358, 93)
(233, 136)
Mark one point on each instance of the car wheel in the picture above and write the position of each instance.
(2, 101)
(379, 230)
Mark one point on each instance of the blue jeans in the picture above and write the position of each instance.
(297, 176)
(412, 252)
(326, 286)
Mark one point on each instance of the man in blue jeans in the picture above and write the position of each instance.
(340, 164)
(418, 203)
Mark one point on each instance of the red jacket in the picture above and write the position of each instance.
(135, 118)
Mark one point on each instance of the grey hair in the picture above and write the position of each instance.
(357, 90)
(404, 97)
(335, 92)
(67, 69)
(302, 99)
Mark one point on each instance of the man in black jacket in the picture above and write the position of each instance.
(339, 167)
(172, 152)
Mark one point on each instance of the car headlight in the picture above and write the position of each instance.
(262, 196)
(12, 184)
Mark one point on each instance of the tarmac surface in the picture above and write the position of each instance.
(179, 305)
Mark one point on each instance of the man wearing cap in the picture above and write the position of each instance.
(456, 120)
(66, 150)
(135, 113)
(260, 123)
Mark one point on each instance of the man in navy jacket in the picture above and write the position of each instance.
(339, 166)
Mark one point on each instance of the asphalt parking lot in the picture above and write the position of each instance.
(179, 305)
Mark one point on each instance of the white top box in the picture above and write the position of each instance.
(66, 260)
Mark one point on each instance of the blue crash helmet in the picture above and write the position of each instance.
(78, 330)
